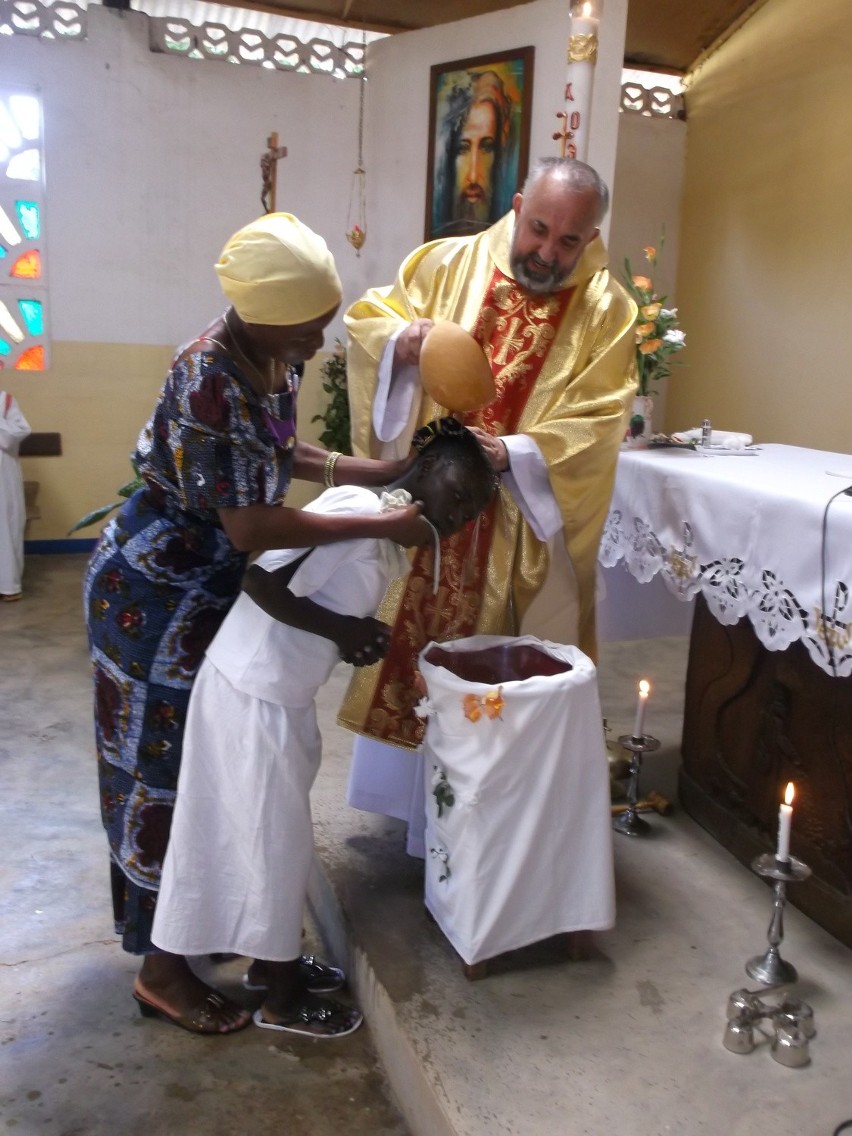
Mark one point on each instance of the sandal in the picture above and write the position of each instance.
(206, 1018)
(335, 1019)
(317, 977)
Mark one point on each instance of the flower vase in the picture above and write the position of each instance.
(638, 431)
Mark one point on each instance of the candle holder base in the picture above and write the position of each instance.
(770, 969)
(629, 823)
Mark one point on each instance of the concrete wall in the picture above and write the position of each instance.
(647, 190)
(765, 266)
(153, 161)
(398, 100)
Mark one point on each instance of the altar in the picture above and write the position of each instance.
(761, 541)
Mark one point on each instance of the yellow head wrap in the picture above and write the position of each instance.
(278, 271)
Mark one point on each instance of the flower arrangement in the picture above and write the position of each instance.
(657, 334)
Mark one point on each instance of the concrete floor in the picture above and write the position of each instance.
(628, 1042)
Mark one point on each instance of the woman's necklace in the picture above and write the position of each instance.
(267, 381)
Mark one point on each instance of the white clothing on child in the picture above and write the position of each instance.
(239, 854)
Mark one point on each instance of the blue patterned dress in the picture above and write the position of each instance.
(158, 585)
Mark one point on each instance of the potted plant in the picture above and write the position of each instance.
(336, 434)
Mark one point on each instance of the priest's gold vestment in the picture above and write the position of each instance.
(563, 365)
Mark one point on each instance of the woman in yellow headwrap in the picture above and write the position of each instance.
(217, 457)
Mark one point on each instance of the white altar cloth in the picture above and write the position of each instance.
(518, 827)
(757, 534)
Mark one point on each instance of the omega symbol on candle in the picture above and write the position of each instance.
(785, 820)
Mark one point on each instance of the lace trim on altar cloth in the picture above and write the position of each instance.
(734, 590)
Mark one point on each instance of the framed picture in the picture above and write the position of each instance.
(479, 140)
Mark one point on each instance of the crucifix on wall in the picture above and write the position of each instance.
(269, 171)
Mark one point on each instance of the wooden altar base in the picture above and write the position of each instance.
(754, 720)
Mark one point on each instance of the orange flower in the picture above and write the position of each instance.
(472, 710)
(643, 330)
(650, 346)
(642, 282)
(493, 703)
(651, 311)
(650, 254)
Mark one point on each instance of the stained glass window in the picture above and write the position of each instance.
(23, 266)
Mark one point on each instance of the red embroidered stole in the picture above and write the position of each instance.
(515, 330)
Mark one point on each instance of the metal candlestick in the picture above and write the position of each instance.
(771, 969)
(629, 823)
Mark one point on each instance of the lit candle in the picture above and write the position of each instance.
(641, 703)
(785, 820)
(582, 55)
(583, 19)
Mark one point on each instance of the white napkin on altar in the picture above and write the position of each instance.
(723, 439)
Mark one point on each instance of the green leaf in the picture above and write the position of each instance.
(95, 516)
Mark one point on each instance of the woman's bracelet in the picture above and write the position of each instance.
(328, 472)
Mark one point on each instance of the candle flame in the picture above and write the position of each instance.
(644, 688)
(586, 10)
(789, 793)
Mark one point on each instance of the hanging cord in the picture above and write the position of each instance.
(357, 228)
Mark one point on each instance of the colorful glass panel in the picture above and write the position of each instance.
(25, 166)
(8, 229)
(31, 360)
(23, 276)
(33, 313)
(27, 266)
(27, 115)
(10, 135)
(10, 324)
(30, 218)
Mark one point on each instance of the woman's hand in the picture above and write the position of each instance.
(363, 642)
(409, 341)
(406, 526)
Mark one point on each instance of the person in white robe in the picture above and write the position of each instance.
(240, 849)
(13, 514)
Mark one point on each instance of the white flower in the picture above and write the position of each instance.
(672, 336)
(424, 708)
(438, 776)
(668, 313)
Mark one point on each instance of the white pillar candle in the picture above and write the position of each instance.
(785, 821)
(641, 703)
(582, 54)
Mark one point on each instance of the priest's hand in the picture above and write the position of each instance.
(495, 449)
(409, 341)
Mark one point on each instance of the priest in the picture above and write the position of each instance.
(557, 332)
